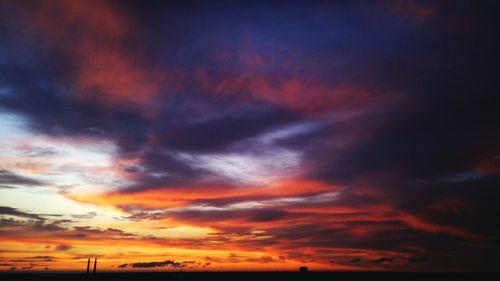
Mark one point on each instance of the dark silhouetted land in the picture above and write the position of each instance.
(239, 276)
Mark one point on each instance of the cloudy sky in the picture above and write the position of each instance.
(255, 135)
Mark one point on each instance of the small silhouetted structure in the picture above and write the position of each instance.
(303, 269)
(88, 265)
(95, 264)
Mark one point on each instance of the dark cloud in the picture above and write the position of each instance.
(14, 212)
(18, 229)
(88, 215)
(383, 260)
(9, 179)
(63, 247)
(43, 226)
(42, 257)
(88, 231)
(450, 131)
(268, 215)
(168, 263)
(31, 260)
(263, 259)
(31, 266)
(214, 134)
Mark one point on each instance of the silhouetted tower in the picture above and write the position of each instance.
(95, 264)
(88, 265)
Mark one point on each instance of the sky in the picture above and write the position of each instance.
(249, 135)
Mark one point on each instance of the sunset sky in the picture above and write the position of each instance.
(249, 135)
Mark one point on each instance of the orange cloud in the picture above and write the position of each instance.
(420, 224)
(167, 197)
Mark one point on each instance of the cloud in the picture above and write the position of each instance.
(8, 178)
(383, 260)
(263, 259)
(42, 257)
(14, 212)
(29, 150)
(110, 74)
(420, 224)
(88, 215)
(63, 247)
(168, 263)
(27, 267)
(268, 215)
(319, 132)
